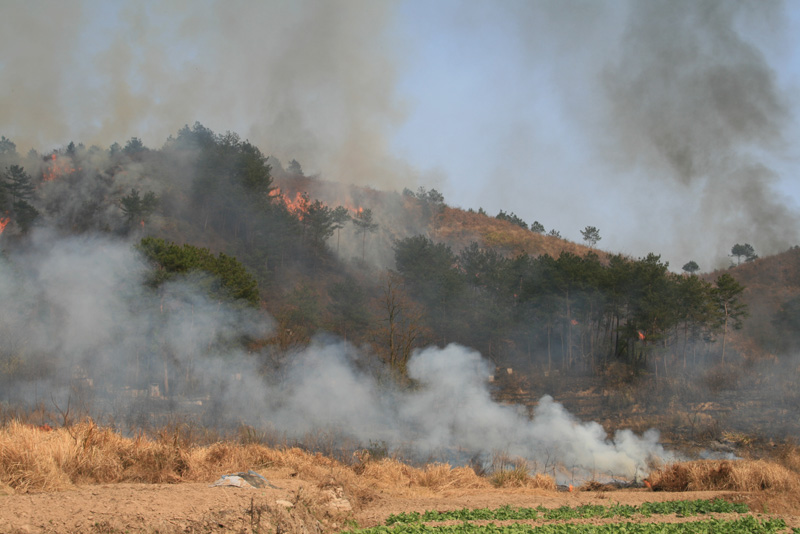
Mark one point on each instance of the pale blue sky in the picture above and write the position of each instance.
(511, 105)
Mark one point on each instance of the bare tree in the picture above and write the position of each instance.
(403, 324)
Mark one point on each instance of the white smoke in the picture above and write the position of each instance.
(77, 308)
(449, 414)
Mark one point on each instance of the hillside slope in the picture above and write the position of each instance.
(771, 284)
(402, 216)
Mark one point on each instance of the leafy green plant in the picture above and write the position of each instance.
(743, 525)
(506, 513)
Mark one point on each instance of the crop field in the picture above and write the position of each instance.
(87, 478)
(711, 516)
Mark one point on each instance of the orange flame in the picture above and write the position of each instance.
(57, 167)
(641, 335)
(3, 223)
(298, 206)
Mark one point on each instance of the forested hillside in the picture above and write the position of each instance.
(391, 271)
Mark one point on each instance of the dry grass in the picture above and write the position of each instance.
(788, 455)
(440, 476)
(738, 475)
(520, 478)
(436, 476)
(42, 459)
(459, 228)
(36, 459)
(514, 472)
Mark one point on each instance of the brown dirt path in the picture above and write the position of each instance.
(198, 508)
(185, 507)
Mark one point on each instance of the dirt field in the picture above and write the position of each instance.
(296, 505)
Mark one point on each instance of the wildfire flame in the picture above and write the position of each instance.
(57, 167)
(3, 223)
(299, 204)
(641, 335)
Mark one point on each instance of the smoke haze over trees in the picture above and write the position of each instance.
(151, 265)
(153, 277)
(676, 114)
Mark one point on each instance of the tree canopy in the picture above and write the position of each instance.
(229, 279)
(745, 251)
(691, 267)
(512, 218)
(591, 235)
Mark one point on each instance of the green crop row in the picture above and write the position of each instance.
(505, 513)
(744, 525)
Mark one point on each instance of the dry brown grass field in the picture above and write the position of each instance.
(458, 228)
(85, 478)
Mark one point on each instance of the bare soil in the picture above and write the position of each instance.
(296, 505)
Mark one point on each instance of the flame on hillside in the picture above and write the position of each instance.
(3, 223)
(57, 167)
(298, 204)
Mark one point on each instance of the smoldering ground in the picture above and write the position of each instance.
(80, 329)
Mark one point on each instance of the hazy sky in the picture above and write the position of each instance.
(669, 125)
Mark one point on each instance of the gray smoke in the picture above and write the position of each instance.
(77, 308)
(451, 412)
(665, 124)
(78, 325)
(692, 98)
(307, 80)
(670, 112)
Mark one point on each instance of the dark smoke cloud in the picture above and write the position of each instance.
(692, 98)
(665, 124)
(662, 123)
(689, 92)
(307, 80)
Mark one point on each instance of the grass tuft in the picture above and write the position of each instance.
(734, 475)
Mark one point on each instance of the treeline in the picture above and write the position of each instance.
(575, 313)
(213, 189)
(571, 312)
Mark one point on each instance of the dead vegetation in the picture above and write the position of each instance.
(459, 228)
(39, 458)
(733, 475)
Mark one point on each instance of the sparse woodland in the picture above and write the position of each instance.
(392, 272)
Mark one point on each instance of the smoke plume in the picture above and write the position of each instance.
(664, 124)
(451, 414)
(79, 326)
(303, 80)
(693, 99)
